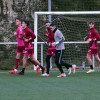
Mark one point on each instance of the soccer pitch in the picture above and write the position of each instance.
(79, 86)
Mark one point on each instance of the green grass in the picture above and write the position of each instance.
(30, 86)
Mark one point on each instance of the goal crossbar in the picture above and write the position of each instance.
(56, 13)
(68, 13)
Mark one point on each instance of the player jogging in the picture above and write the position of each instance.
(51, 49)
(93, 37)
(28, 36)
(59, 43)
(20, 44)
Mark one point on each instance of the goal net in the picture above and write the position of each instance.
(74, 26)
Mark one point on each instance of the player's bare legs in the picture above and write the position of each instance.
(17, 60)
(90, 63)
(32, 60)
(20, 44)
(97, 58)
(92, 37)
(36, 62)
(89, 59)
(25, 61)
(18, 55)
(24, 65)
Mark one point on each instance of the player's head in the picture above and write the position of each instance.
(91, 25)
(47, 24)
(25, 23)
(52, 27)
(18, 21)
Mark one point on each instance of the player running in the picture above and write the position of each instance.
(59, 43)
(93, 37)
(28, 36)
(20, 45)
(51, 49)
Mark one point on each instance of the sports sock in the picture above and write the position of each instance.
(41, 67)
(48, 63)
(65, 64)
(91, 66)
(17, 63)
(23, 69)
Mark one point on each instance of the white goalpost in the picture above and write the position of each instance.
(73, 25)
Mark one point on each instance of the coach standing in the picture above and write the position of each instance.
(59, 43)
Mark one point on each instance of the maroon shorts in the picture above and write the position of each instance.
(93, 52)
(28, 52)
(51, 52)
(20, 49)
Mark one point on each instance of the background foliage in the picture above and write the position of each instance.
(11, 9)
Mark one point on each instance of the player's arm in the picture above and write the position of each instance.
(85, 39)
(49, 35)
(61, 38)
(45, 34)
(15, 33)
(32, 36)
(97, 36)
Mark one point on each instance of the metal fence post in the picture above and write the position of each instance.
(93, 60)
(42, 54)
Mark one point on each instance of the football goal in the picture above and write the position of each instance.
(74, 26)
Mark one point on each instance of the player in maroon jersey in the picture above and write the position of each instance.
(20, 44)
(51, 49)
(28, 36)
(93, 37)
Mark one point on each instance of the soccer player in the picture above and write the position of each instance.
(51, 49)
(20, 45)
(93, 37)
(59, 43)
(28, 36)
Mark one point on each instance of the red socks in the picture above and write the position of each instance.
(17, 63)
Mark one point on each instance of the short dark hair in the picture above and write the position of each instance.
(52, 24)
(91, 22)
(18, 19)
(47, 22)
(26, 22)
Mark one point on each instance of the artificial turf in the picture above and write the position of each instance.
(30, 86)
